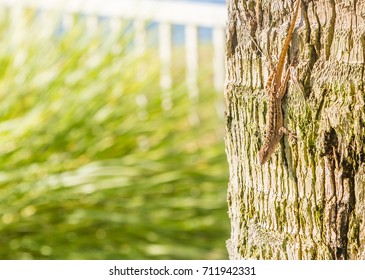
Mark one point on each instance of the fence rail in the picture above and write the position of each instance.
(165, 13)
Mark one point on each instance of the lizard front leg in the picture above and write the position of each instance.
(292, 136)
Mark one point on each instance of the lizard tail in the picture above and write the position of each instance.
(280, 67)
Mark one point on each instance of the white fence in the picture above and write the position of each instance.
(165, 13)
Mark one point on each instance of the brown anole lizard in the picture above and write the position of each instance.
(276, 88)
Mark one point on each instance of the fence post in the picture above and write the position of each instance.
(140, 36)
(115, 24)
(165, 49)
(191, 43)
(92, 23)
(67, 21)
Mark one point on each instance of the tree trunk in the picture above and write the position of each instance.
(308, 200)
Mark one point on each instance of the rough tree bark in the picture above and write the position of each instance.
(308, 201)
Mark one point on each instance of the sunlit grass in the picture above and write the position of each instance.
(92, 165)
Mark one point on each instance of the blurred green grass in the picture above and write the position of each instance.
(92, 165)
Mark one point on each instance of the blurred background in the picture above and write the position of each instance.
(111, 130)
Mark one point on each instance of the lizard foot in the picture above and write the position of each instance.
(292, 136)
